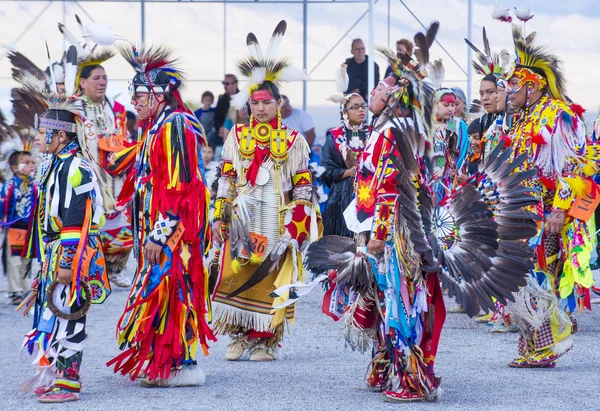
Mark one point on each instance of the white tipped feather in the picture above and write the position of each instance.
(254, 49)
(51, 69)
(341, 79)
(59, 73)
(71, 39)
(275, 41)
(291, 73)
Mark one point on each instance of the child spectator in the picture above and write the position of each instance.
(16, 200)
(206, 116)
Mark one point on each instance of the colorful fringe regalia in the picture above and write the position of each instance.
(165, 319)
(65, 224)
(553, 135)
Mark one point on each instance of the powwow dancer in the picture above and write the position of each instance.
(105, 131)
(165, 319)
(263, 213)
(491, 66)
(551, 132)
(65, 238)
(342, 148)
(399, 309)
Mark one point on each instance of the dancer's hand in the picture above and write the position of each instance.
(152, 252)
(64, 276)
(376, 247)
(555, 222)
(350, 172)
(220, 233)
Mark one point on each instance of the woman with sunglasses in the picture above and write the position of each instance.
(343, 146)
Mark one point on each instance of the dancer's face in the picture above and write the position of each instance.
(488, 96)
(379, 98)
(94, 87)
(356, 109)
(517, 94)
(264, 106)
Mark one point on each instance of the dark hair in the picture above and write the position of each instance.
(61, 115)
(474, 127)
(235, 79)
(491, 78)
(212, 147)
(269, 86)
(171, 101)
(208, 94)
(15, 158)
(354, 42)
(130, 115)
(87, 70)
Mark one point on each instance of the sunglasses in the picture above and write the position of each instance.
(228, 83)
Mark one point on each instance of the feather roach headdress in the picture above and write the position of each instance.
(488, 62)
(157, 71)
(261, 67)
(414, 89)
(535, 64)
(49, 120)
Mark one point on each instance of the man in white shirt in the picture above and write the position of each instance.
(298, 120)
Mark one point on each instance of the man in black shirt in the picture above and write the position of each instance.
(230, 84)
(358, 70)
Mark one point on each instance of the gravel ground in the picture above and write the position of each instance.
(316, 371)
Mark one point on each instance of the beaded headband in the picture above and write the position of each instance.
(52, 124)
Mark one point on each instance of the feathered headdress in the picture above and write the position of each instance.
(93, 34)
(488, 62)
(341, 85)
(71, 103)
(260, 67)
(535, 64)
(157, 71)
(414, 74)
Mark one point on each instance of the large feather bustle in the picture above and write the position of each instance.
(531, 55)
(23, 66)
(491, 257)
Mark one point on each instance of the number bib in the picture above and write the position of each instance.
(260, 245)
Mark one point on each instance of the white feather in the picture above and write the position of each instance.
(258, 75)
(240, 99)
(291, 73)
(59, 73)
(100, 34)
(341, 79)
(501, 13)
(272, 47)
(337, 98)
(504, 58)
(255, 51)
(12, 145)
(523, 14)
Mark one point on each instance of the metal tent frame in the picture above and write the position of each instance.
(305, 3)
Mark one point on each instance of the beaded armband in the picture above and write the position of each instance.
(383, 220)
(303, 177)
(227, 169)
(164, 228)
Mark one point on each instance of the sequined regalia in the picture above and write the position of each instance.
(165, 318)
(552, 134)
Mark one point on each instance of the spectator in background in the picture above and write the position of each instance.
(403, 46)
(460, 110)
(298, 120)
(132, 126)
(230, 84)
(206, 116)
(358, 70)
